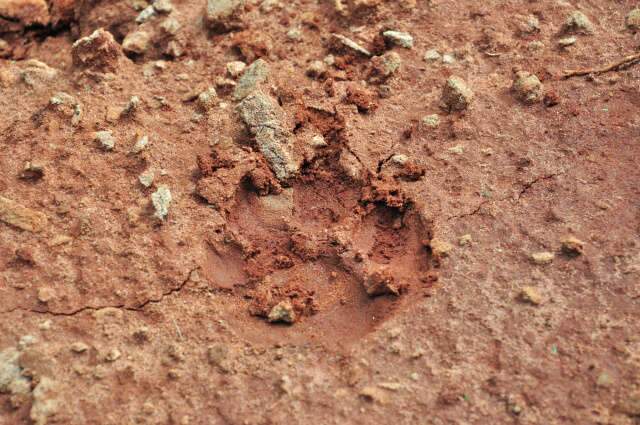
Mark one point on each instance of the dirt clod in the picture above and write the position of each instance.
(99, 52)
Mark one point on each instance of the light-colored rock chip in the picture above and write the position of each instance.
(282, 312)
(263, 116)
(105, 140)
(161, 200)
(399, 38)
(350, 44)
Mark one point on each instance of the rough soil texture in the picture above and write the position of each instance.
(361, 226)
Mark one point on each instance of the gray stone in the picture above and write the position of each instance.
(263, 116)
(161, 200)
(255, 74)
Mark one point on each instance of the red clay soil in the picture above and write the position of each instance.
(434, 225)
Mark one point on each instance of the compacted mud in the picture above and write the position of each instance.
(318, 211)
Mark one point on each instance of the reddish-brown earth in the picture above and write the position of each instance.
(426, 267)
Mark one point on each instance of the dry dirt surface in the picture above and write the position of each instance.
(319, 212)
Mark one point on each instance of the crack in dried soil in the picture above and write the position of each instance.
(525, 188)
(123, 306)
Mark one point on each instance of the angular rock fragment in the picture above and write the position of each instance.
(456, 95)
(224, 15)
(161, 200)
(99, 52)
(340, 41)
(254, 75)
(282, 312)
(105, 140)
(263, 116)
(399, 38)
(527, 87)
(21, 217)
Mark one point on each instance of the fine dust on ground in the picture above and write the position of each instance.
(319, 211)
